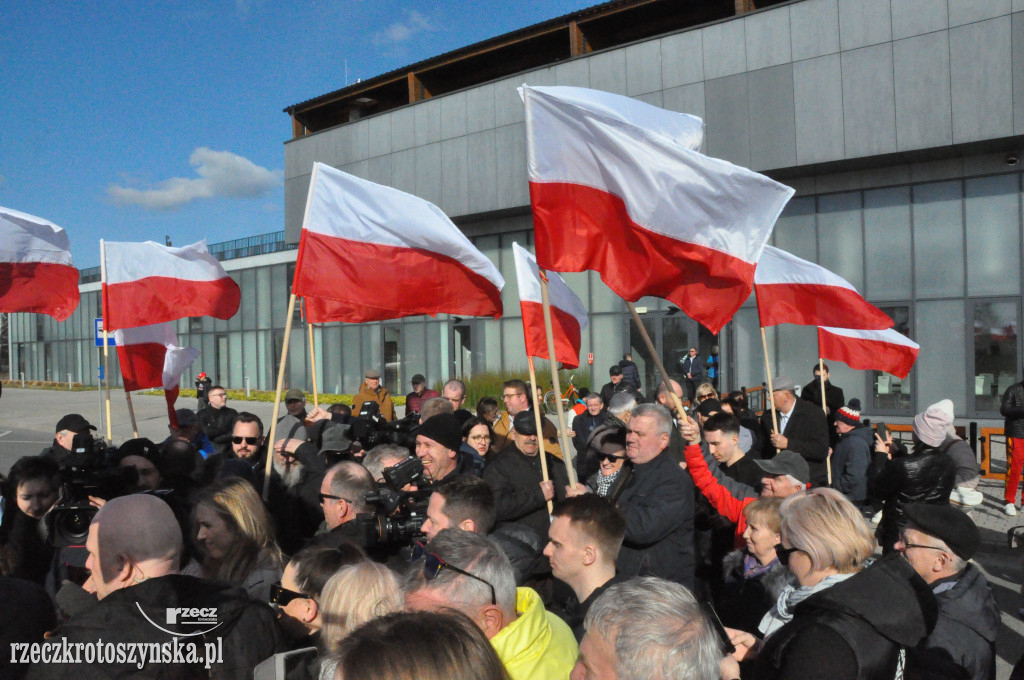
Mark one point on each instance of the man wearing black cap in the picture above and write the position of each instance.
(802, 428)
(438, 441)
(414, 400)
(373, 391)
(67, 428)
(617, 384)
(514, 475)
(938, 542)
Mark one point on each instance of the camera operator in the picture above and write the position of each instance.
(342, 497)
(70, 426)
(438, 444)
(31, 491)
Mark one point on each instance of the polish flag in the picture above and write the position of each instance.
(791, 290)
(887, 350)
(148, 283)
(369, 253)
(618, 186)
(150, 357)
(36, 272)
(568, 315)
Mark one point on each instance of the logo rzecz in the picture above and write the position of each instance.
(193, 615)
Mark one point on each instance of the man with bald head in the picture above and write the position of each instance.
(135, 549)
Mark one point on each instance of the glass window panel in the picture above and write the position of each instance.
(749, 353)
(250, 360)
(888, 392)
(263, 366)
(394, 374)
(249, 296)
(207, 361)
(235, 356)
(235, 322)
(370, 344)
(297, 374)
(794, 230)
(330, 349)
(938, 241)
(995, 352)
(507, 265)
(263, 297)
(437, 359)
(415, 352)
(840, 237)
(887, 244)
(608, 335)
(278, 294)
(940, 365)
(642, 357)
(513, 346)
(492, 341)
(993, 242)
(796, 352)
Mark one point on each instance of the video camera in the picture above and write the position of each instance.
(369, 428)
(398, 515)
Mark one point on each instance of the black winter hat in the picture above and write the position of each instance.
(946, 523)
(444, 429)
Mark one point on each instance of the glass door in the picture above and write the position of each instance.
(994, 362)
(394, 380)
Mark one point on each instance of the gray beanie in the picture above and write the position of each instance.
(932, 426)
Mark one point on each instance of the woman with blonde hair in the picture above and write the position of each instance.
(356, 594)
(235, 535)
(843, 621)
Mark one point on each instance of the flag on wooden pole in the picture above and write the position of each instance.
(36, 271)
(568, 315)
(887, 350)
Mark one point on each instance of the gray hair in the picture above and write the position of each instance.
(662, 418)
(352, 481)
(592, 396)
(477, 555)
(375, 459)
(621, 403)
(658, 631)
(455, 384)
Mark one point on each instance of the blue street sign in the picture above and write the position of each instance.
(98, 326)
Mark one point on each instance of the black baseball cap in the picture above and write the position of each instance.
(73, 422)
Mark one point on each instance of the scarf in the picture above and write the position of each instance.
(752, 568)
(789, 598)
(604, 484)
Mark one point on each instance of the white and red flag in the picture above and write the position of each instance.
(568, 315)
(150, 357)
(619, 187)
(148, 283)
(36, 272)
(887, 350)
(369, 253)
(792, 290)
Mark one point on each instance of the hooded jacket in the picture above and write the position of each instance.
(245, 630)
(853, 630)
(850, 461)
(537, 645)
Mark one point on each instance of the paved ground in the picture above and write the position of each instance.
(27, 419)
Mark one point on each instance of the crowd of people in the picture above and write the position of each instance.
(707, 542)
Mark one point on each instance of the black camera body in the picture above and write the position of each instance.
(398, 515)
(85, 474)
(370, 429)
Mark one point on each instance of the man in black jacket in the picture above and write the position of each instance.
(802, 428)
(1012, 409)
(216, 419)
(834, 400)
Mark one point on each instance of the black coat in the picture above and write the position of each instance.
(35, 616)
(850, 461)
(630, 373)
(245, 627)
(853, 630)
(610, 389)
(741, 602)
(1012, 408)
(658, 504)
(217, 424)
(515, 479)
(807, 432)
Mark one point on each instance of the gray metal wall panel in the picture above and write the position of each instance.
(480, 108)
(508, 107)
(685, 99)
(969, 11)
(1017, 37)
(378, 135)
(296, 189)
(724, 50)
(772, 118)
(379, 170)
(1018, 5)
(682, 59)
(298, 156)
(728, 132)
(923, 113)
(453, 115)
(454, 177)
(482, 171)
(982, 87)
(767, 39)
(869, 107)
(428, 122)
(916, 17)
(357, 142)
(643, 68)
(403, 130)
(510, 152)
(863, 23)
(818, 107)
(608, 71)
(814, 28)
(575, 73)
(428, 172)
(403, 170)
(652, 98)
(360, 169)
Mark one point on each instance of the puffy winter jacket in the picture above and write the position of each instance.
(1012, 408)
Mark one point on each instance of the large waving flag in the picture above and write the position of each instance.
(568, 315)
(886, 350)
(148, 283)
(617, 186)
(792, 290)
(370, 253)
(36, 272)
(150, 357)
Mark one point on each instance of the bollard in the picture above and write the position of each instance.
(246, 387)
(23, 378)
(69, 382)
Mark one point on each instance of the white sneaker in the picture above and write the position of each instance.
(877, 517)
(1010, 510)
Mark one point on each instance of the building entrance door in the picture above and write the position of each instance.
(672, 333)
(465, 351)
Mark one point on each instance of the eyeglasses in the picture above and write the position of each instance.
(433, 564)
(325, 496)
(512, 395)
(610, 457)
(282, 596)
(783, 553)
(480, 438)
(251, 441)
(705, 396)
(906, 544)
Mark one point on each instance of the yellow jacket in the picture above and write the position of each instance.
(381, 396)
(538, 645)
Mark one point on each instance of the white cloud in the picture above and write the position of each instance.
(401, 31)
(222, 174)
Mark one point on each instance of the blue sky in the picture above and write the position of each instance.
(131, 120)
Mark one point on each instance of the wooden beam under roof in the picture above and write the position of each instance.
(577, 41)
(417, 92)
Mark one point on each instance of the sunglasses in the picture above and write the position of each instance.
(433, 564)
(325, 496)
(610, 457)
(251, 441)
(282, 596)
(783, 553)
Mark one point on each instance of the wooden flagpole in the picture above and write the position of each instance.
(277, 398)
(312, 355)
(106, 338)
(567, 457)
(540, 431)
(821, 374)
(131, 413)
(673, 397)
(768, 370)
